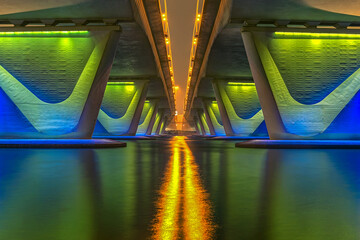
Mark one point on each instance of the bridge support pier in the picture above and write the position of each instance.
(239, 108)
(163, 125)
(213, 117)
(203, 122)
(308, 82)
(121, 108)
(158, 118)
(208, 120)
(147, 117)
(150, 128)
(199, 125)
(52, 83)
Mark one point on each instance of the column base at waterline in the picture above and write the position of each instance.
(300, 144)
(124, 137)
(60, 143)
(232, 138)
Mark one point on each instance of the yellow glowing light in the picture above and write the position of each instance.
(316, 35)
(121, 83)
(182, 188)
(241, 84)
(43, 32)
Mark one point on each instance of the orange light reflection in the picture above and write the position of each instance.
(182, 187)
(167, 225)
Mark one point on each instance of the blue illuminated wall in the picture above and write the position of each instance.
(242, 106)
(315, 80)
(45, 79)
(120, 102)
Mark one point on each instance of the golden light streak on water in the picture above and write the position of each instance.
(167, 220)
(182, 187)
(197, 209)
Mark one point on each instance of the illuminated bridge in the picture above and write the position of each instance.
(85, 78)
(74, 68)
(284, 69)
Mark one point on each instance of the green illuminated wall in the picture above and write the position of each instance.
(204, 122)
(199, 126)
(158, 118)
(162, 127)
(315, 79)
(214, 114)
(146, 115)
(121, 100)
(242, 107)
(45, 79)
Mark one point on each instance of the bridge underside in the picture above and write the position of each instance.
(71, 69)
(270, 72)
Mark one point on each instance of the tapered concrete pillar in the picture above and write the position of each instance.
(152, 120)
(208, 118)
(160, 125)
(211, 110)
(147, 117)
(163, 126)
(121, 108)
(203, 123)
(92, 106)
(197, 129)
(270, 110)
(224, 115)
(137, 115)
(198, 124)
(158, 117)
(240, 108)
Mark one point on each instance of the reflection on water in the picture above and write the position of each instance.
(179, 189)
(182, 187)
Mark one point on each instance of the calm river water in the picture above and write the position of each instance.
(179, 189)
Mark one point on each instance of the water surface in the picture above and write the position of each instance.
(179, 189)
